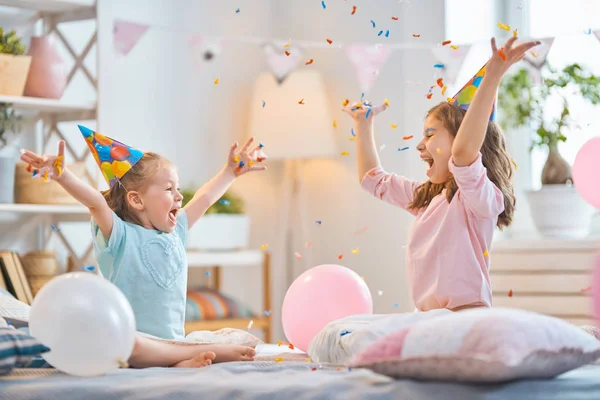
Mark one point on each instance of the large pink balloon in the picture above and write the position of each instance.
(586, 169)
(321, 295)
(596, 289)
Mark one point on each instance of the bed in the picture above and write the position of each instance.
(292, 378)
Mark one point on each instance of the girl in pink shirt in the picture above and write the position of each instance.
(468, 194)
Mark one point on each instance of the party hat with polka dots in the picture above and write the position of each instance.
(464, 97)
(114, 158)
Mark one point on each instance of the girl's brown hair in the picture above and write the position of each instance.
(493, 155)
(136, 179)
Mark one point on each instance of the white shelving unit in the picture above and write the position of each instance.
(24, 219)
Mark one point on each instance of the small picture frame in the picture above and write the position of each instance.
(13, 278)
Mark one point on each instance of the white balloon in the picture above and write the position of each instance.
(87, 323)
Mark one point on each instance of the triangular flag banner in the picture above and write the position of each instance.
(203, 49)
(597, 34)
(126, 35)
(114, 158)
(281, 64)
(367, 61)
(537, 56)
(451, 60)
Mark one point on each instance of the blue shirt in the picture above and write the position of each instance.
(150, 268)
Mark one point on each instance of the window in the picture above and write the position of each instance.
(461, 27)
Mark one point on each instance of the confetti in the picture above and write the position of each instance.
(429, 95)
(264, 246)
(334, 124)
(301, 101)
(345, 102)
(438, 66)
(373, 23)
(393, 126)
(307, 244)
(28, 168)
(533, 54)
(250, 324)
(329, 41)
(395, 18)
(298, 255)
(402, 149)
(510, 293)
(288, 44)
(445, 42)
(217, 81)
(380, 292)
(318, 222)
(268, 312)
(514, 163)
(352, 132)
(387, 33)
(353, 10)
(54, 228)
(439, 151)
(396, 305)
(264, 104)
(237, 11)
(345, 153)
(386, 102)
(58, 164)
(89, 268)
(440, 82)
(46, 176)
(515, 33)
(449, 99)
(355, 251)
(307, 360)
(309, 62)
(503, 26)
(344, 333)
(290, 346)
(279, 359)
(408, 137)
(35, 172)
(323, 5)
(241, 164)
(502, 55)
(224, 202)
(444, 90)
(380, 33)
(453, 47)
(416, 35)
(207, 273)
(361, 231)
(587, 289)
(368, 113)
(486, 253)
(340, 256)
(287, 53)
(279, 343)
(352, 138)
(261, 145)
(313, 369)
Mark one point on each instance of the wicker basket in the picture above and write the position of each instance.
(40, 264)
(13, 74)
(36, 191)
(36, 283)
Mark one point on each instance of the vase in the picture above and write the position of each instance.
(48, 73)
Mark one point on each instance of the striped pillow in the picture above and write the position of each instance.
(17, 349)
(208, 304)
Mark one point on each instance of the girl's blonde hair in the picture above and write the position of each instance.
(136, 179)
(493, 155)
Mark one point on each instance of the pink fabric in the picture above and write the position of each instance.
(445, 261)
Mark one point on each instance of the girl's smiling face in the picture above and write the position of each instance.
(436, 149)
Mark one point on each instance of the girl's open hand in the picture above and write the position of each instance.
(363, 113)
(244, 161)
(510, 54)
(48, 165)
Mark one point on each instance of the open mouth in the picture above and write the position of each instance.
(173, 215)
(429, 162)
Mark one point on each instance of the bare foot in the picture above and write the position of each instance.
(200, 360)
(230, 352)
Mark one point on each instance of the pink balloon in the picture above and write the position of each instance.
(585, 172)
(321, 295)
(596, 289)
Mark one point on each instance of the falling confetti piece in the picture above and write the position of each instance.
(355, 251)
(28, 168)
(503, 26)
(386, 102)
(250, 324)
(352, 138)
(393, 126)
(453, 47)
(298, 255)
(309, 62)
(380, 33)
(268, 312)
(89, 268)
(46, 176)
(54, 228)
(288, 44)
(449, 99)
(318, 222)
(486, 253)
(439, 151)
(380, 292)
(502, 55)
(416, 35)
(429, 95)
(440, 82)
(352, 132)
(291, 346)
(58, 164)
(396, 305)
(444, 90)
(307, 360)
(438, 65)
(224, 202)
(334, 124)
(287, 53)
(387, 33)
(402, 149)
(588, 32)
(510, 293)
(515, 33)
(207, 273)
(368, 113)
(361, 231)
(313, 369)
(353, 10)
(301, 101)
(323, 5)
(264, 246)
(279, 359)
(514, 163)
(329, 41)
(217, 81)
(344, 333)
(237, 11)
(345, 153)
(408, 137)
(345, 102)
(395, 18)
(241, 164)
(340, 256)
(264, 104)
(35, 172)
(307, 244)
(279, 343)
(445, 42)
(587, 289)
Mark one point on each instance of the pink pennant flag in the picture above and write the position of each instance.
(537, 56)
(126, 35)
(597, 34)
(452, 61)
(367, 61)
(281, 64)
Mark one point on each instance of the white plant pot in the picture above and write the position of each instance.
(220, 232)
(8, 160)
(559, 211)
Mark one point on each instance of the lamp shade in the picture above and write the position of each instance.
(290, 130)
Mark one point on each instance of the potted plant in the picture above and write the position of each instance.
(10, 124)
(223, 227)
(556, 209)
(14, 65)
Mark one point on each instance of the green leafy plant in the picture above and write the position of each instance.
(10, 122)
(10, 43)
(229, 203)
(523, 105)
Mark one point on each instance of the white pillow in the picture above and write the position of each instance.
(13, 308)
(482, 345)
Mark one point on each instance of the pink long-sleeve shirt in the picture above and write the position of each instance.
(447, 260)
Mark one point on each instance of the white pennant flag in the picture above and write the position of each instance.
(367, 61)
(450, 61)
(281, 64)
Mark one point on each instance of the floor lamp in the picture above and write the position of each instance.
(293, 121)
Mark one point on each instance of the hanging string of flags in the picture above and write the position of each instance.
(367, 59)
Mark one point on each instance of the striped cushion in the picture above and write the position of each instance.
(209, 304)
(17, 349)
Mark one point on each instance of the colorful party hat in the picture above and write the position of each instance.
(464, 97)
(114, 158)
